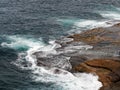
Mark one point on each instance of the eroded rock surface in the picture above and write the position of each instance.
(105, 41)
(108, 70)
(94, 51)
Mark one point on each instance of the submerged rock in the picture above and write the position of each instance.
(58, 61)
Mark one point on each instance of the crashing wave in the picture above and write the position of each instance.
(57, 73)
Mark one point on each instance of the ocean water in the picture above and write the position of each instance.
(29, 26)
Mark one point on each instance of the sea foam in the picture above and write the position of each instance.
(112, 15)
(78, 25)
(60, 77)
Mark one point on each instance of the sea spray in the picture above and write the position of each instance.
(79, 25)
(58, 76)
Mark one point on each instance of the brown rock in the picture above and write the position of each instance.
(103, 40)
(99, 35)
(117, 25)
(108, 70)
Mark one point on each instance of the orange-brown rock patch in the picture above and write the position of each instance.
(108, 70)
(98, 35)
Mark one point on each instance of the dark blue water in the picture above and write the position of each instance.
(24, 22)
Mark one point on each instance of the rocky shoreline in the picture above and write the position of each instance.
(95, 51)
(107, 67)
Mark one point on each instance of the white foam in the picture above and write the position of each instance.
(64, 78)
(89, 24)
(19, 41)
(112, 15)
(55, 75)
(82, 47)
(78, 81)
(84, 24)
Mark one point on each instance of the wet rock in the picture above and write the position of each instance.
(108, 70)
(59, 71)
(103, 36)
(58, 61)
(103, 59)
(106, 40)
(94, 51)
(117, 25)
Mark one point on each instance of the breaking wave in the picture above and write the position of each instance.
(110, 17)
(113, 14)
(79, 25)
(56, 75)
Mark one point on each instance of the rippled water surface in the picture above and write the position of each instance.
(30, 25)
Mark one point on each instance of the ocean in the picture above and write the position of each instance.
(28, 26)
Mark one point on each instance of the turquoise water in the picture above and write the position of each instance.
(29, 25)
